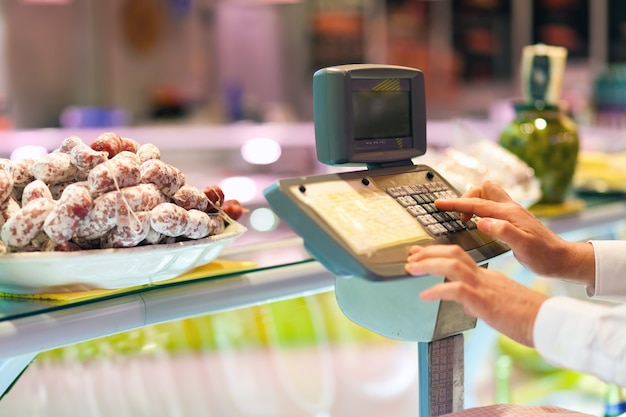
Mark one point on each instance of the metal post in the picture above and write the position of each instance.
(441, 376)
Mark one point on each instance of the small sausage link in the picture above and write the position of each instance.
(84, 158)
(22, 171)
(142, 197)
(51, 246)
(109, 142)
(165, 176)
(148, 151)
(73, 206)
(5, 164)
(130, 145)
(69, 143)
(153, 237)
(34, 190)
(57, 189)
(129, 235)
(6, 185)
(116, 173)
(22, 227)
(54, 168)
(190, 197)
(169, 219)
(8, 208)
(101, 218)
(199, 224)
(218, 225)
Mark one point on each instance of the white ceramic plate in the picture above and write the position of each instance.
(55, 272)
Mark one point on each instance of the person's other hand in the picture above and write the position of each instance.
(504, 304)
(533, 244)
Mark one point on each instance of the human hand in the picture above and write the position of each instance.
(504, 304)
(533, 244)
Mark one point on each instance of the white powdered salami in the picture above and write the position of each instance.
(128, 235)
(118, 172)
(84, 158)
(24, 225)
(199, 224)
(101, 218)
(166, 177)
(69, 143)
(169, 219)
(148, 151)
(73, 206)
(34, 190)
(54, 168)
(190, 197)
(22, 171)
(6, 185)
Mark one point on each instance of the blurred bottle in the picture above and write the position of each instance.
(614, 402)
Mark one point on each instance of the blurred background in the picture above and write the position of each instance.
(120, 62)
(223, 88)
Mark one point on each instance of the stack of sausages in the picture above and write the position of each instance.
(112, 193)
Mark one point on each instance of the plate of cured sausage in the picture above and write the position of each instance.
(107, 215)
(112, 268)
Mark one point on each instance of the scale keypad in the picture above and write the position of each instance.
(419, 200)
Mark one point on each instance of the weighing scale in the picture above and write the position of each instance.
(361, 224)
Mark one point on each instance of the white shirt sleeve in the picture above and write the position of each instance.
(585, 336)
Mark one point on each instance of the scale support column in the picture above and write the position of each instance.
(393, 309)
(441, 376)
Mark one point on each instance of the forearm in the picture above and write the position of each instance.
(575, 262)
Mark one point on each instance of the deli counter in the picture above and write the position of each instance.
(262, 336)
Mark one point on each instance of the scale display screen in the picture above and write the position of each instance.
(381, 115)
(368, 114)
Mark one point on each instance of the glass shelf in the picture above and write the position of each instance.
(283, 270)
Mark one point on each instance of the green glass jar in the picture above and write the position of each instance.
(547, 139)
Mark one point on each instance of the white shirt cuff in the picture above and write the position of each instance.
(610, 283)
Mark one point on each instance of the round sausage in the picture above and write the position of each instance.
(153, 237)
(84, 158)
(199, 224)
(190, 197)
(6, 185)
(8, 208)
(142, 197)
(116, 173)
(73, 206)
(22, 171)
(109, 142)
(218, 225)
(69, 143)
(148, 151)
(169, 219)
(129, 235)
(22, 227)
(54, 168)
(130, 145)
(165, 176)
(34, 190)
(101, 218)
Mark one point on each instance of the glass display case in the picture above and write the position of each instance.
(264, 339)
